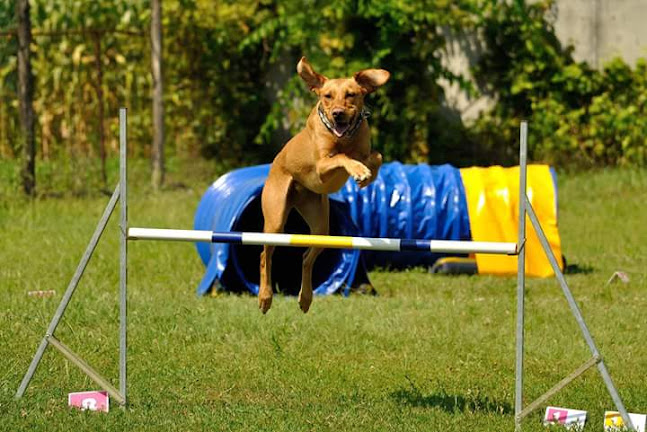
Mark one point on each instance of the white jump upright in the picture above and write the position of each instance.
(297, 240)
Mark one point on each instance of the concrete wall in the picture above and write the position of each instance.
(600, 30)
(463, 52)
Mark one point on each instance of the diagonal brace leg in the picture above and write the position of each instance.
(87, 369)
(577, 314)
(557, 387)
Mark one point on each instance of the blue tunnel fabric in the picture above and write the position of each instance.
(404, 201)
(408, 201)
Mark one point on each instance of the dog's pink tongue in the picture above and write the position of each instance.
(340, 130)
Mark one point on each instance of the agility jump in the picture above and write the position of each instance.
(296, 240)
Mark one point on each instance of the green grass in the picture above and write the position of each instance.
(430, 353)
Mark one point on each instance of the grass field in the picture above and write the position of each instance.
(430, 353)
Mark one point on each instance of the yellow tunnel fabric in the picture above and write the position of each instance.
(492, 203)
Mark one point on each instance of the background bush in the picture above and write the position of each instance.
(232, 94)
(580, 116)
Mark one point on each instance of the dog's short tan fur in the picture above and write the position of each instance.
(316, 162)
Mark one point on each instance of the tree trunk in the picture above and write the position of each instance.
(158, 104)
(25, 98)
(98, 62)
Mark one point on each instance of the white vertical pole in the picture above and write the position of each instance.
(521, 273)
(123, 254)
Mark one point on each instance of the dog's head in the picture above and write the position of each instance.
(342, 99)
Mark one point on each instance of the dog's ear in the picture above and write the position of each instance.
(308, 74)
(371, 79)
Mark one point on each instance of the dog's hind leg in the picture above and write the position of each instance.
(275, 203)
(315, 210)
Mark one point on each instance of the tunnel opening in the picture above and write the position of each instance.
(287, 261)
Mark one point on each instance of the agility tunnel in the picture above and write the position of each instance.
(405, 201)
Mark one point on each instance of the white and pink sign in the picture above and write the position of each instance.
(569, 418)
(90, 400)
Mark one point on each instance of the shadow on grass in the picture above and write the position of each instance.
(412, 396)
(577, 269)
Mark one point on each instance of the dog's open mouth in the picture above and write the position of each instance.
(340, 125)
(340, 128)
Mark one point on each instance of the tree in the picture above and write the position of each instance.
(158, 104)
(25, 97)
(98, 61)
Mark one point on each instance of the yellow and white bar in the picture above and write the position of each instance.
(333, 242)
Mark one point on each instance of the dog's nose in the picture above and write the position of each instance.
(337, 112)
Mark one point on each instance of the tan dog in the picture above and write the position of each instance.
(317, 161)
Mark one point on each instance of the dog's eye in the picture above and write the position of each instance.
(328, 96)
(350, 94)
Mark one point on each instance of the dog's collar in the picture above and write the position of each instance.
(364, 114)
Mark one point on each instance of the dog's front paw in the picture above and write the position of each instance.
(358, 171)
(363, 183)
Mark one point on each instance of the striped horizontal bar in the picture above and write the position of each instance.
(334, 242)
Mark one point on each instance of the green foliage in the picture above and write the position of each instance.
(232, 94)
(579, 116)
(211, 89)
(343, 37)
(69, 36)
(214, 91)
(8, 84)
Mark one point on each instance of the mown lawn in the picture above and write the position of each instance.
(429, 353)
